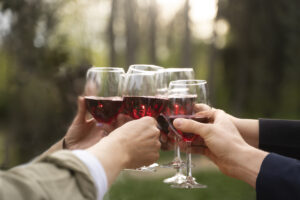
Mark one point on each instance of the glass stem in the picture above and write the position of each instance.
(177, 149)
(188, 159)
(177, 154)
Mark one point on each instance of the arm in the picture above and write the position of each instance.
(225, 146)
(249, 130)
(279, 178)
(81, 134)
(58, 176)
(72, 175)
(280, 136)
(274, 176)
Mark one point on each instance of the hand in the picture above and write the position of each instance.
(139, 140)
(248, 128)
(84, 133)
(168, 139)
(133, 145)
(225, 146)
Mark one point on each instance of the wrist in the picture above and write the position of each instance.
(247, 163)
(249, 130)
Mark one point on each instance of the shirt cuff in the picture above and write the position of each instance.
(96, 171)
(278, 178)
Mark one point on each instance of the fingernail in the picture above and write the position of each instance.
(178, 122)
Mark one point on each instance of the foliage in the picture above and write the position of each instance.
(219, 187)
(261, 62)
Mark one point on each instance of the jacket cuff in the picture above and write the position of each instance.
(278, 178)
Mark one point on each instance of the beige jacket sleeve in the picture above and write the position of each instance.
(58, 176)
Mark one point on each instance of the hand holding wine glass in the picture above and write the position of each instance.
(183, 96)
(225, 146)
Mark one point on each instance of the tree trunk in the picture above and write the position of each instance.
(131, 31)
(186, 46)
(152, 31)
(111, 34)
(211, 68)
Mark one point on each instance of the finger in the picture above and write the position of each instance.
(202, 107)
(91, 121)
(191, 126)
(163, 137)
(80, 116)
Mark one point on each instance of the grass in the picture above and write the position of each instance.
(221, 187)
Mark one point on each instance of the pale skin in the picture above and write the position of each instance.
(126, 147)
(226, 147)
(84, 131)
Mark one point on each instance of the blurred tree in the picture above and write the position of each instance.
(38, 107)
(261, 57)
(111, 33)
(152, 31)
(131, 31)
(186, 42)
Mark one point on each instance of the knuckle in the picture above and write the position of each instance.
(150, 119)
(158, 145)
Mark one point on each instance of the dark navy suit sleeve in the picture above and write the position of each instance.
(280, 136)
(278, 179)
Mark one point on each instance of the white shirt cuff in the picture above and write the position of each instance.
(96, 171)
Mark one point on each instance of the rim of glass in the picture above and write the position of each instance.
(188, 82)
(146, 65)
(107, 69)
(142, 73)
(174, 69)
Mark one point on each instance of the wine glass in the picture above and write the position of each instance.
(139, 68)
(173, 74)
(103, 96)
(143, 96)
(183, 95)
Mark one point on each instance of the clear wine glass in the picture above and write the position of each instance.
(140, 68)
(173, 74)
(183, 95)
(143, 95)
(103, 96)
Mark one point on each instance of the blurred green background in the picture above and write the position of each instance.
(248, 50)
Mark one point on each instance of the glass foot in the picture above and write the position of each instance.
(175, 164)
(150, 168)
(189, 183)
(178, 178)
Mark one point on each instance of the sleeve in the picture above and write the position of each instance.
(280, 136)
(61, 175)
(96, 170)
(279, 178)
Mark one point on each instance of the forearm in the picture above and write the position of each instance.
(58, 176)
(249, 130)
(111, 156)
(247, 164)
(280, 136)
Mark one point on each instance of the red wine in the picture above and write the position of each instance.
(180, 105)
(188, 137)
(142, 106)
(104, 109)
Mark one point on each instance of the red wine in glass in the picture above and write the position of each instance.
(104, 109)
(180, 106)
(187, 137)
(141, 106)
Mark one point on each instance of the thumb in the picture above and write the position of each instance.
(80, 116)
(191, 126)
